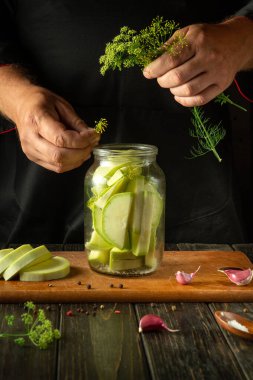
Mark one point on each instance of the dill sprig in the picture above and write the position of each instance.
(38, 329)
(101, 125)
(208, 135)
(223, 99)
(131, 48)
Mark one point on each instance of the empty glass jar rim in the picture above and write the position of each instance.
(119, 149)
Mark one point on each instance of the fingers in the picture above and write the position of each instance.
(167, 61)
(55, 158)
(52, 134)
(200, 99)
(192, 87)
(180, 75)
(69, 117)
(57, 133)
(57, 169)
(202, 69)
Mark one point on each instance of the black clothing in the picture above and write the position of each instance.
(247, 10)
(61, 41)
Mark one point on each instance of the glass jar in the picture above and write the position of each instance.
(124, 210)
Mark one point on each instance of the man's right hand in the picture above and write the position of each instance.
(51, 133)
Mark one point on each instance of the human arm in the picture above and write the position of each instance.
(50, 132)
(208, 65)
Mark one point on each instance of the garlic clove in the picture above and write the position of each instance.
(185, 278)
(238, 276)
(151, 322)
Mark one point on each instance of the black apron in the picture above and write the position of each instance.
(61, 42)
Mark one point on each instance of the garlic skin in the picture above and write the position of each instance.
(152, 322)
(185, 278)
(239, 277)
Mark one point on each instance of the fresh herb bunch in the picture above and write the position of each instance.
(131, 48)
(38, 329)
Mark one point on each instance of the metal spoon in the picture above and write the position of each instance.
(235, 323)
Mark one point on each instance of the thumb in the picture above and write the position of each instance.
(54, 131)
(69, 117)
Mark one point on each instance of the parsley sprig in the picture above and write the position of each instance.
(38, 329)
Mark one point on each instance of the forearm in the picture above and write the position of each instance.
(241, 29)
(14, 83)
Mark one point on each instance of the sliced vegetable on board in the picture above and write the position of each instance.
(32, 257)
(32, 264)
(52, 269)
(12, 256)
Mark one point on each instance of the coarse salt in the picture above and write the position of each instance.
(237, 325)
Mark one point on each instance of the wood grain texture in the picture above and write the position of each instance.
(242, 348)
(246, 248)
(102, 345)
(208, 285)
(203, 247)
(197, 351)
(108, 345)
(26, 362)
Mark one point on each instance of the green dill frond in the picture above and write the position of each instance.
(27, 319)
(29, 305)
(131, 48)
(38, 329)
(207, 134)
(101, 125)
(9, 319)
(177, 45)
(139, 48)
(20, 341)
(223, 99)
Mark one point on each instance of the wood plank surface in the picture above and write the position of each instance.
(102, 345)
(198, 351)
(246, 248)
(208, 285)
(27, 362)
(204, 247)
(242, 348)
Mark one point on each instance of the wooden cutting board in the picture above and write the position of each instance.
(208, 284)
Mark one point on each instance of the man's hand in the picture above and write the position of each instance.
(51, 133)
(208, 64)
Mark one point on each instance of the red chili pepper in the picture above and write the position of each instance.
(117, 312)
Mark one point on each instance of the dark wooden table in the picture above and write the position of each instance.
(106, 345)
